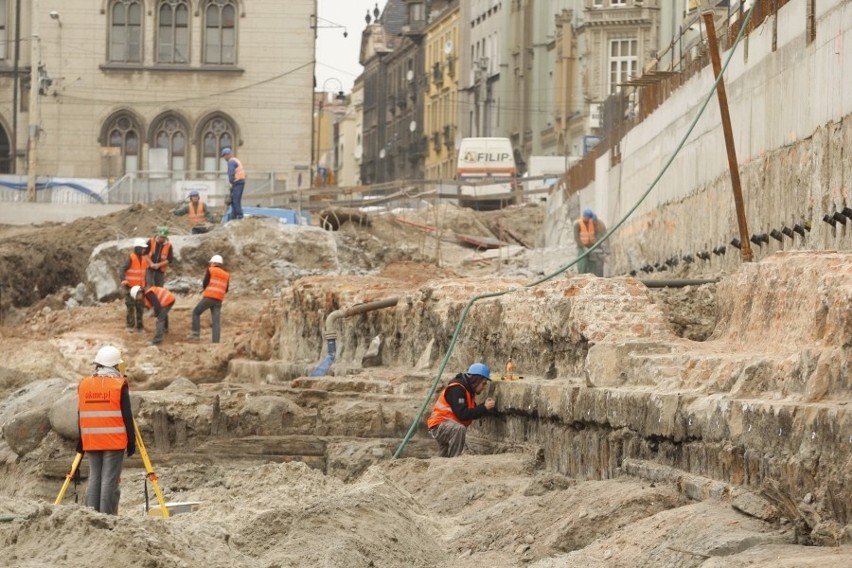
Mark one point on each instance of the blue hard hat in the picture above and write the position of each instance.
(226, 151)
(589, 213)
(480, 369)
(193, 193)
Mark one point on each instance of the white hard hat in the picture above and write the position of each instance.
(108, 356)
(140, 243)
(135, 291)
(216, 259)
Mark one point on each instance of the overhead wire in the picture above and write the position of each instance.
(587, 252)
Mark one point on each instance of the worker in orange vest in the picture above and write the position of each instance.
(105, 421)
(588, 229)
(216, 282)
(132, 273)
(456, 409)
(160, 255)
(161, 301)
(237, 179)
(197, 213)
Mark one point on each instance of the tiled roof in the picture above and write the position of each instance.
(394, 16)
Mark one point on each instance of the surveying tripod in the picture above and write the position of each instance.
(149, 469)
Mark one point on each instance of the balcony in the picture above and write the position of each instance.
(436, 141)
(449, 140)
(438, 74)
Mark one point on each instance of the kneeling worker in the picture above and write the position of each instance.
(456, 409)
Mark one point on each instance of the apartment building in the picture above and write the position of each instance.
(156, 86)
(481, 33)
(441, 111)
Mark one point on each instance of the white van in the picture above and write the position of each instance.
(490, 164)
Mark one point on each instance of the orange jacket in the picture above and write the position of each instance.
(443, 411)
(99, 403)
(587, 232)
(218, 285)
(164, 253)
(239, 172)
(165, 297)
(196, 215)
(135, 274)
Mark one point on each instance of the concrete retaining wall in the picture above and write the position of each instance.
(790, 112)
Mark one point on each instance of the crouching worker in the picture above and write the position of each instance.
(161, 301)
(456, 409)
(105, 420)
(215, 283)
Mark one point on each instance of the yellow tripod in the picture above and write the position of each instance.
(143, 453)
(68, 477)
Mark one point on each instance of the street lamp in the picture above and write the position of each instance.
(338, 96)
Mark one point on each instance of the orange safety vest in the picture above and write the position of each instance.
(443, 411)
(587, 232)
(164, 252)
(196, 217)
(218, 284)
(239, 172)
(135, 273)
(99, 404)
(165, 297)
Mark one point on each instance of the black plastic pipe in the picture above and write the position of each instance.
(677, 282)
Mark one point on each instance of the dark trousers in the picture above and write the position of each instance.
(215, 307)
(155, 277)
(135, 310)
(162, 324)
(237, 199)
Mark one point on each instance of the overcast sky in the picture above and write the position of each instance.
(337, 57)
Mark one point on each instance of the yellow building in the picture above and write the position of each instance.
(441, 109)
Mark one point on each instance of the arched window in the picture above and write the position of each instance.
(216, 134)
(168, 145)
(220, 32)
(5, 151)
(123, 135)
(125, 34)
(173, 32)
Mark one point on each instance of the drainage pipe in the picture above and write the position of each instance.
(330, 329)
(677, 283)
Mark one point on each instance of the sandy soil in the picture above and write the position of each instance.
(501, 510)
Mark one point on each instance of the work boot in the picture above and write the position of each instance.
(140, 330)
(129, 330)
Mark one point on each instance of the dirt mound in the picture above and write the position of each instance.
(41, 262)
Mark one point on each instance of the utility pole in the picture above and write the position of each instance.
(34, 113)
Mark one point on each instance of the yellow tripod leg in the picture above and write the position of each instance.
(140, 446)
(74, 465)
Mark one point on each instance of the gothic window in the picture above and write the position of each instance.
(216, 134)
(123, 133)
(170, 139)
(220, 32)
(125, 36)
(173, 32)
